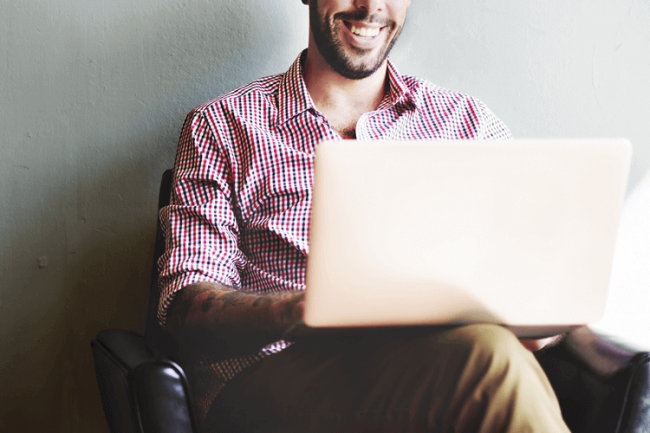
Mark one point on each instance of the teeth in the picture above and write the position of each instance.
(365, 31)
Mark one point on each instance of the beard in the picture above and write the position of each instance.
(361, 63)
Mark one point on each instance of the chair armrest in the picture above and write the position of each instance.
(603, 354)
(603, 385)
(141, 390)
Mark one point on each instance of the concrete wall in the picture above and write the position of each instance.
(92, 97)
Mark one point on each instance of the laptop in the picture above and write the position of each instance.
(519, 233)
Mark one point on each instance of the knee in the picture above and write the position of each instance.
(483, 333)
(499, 378)
(490, 344)
(484, 336)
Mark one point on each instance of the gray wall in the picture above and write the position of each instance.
(92, 97)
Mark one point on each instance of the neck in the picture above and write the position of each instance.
(342, 100)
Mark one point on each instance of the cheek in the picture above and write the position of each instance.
(399, 9)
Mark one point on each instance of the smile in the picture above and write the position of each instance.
(367, 32)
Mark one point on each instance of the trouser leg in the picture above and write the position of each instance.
(502, 388)
(475, 378)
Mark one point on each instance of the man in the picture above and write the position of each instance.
(232, 278)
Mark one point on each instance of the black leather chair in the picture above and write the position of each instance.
(142, 388)
(603, 386)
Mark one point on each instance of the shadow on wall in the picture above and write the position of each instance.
(89, 268)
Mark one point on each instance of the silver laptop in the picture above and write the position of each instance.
(519, 233)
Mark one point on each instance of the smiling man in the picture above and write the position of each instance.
(233, 274)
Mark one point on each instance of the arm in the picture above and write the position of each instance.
(202, 231)
(213, 319)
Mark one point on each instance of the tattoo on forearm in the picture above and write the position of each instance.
(208, 302)
(231, 298)
(206, 310)
(287, 311)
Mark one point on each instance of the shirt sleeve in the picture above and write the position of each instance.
(491, 127)
(200, 224)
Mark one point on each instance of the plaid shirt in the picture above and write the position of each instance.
(241, 196)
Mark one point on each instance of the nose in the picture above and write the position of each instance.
(370, 6)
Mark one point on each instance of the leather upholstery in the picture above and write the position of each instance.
(141, 391)
(635, 414)
(602, 386)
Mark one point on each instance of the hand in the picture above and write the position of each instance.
(536, 344)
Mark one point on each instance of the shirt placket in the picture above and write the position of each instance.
(367, 130)
(362, 129)
(326, 130)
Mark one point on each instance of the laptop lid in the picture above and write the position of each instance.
(518, 232)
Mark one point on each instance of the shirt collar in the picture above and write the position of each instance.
(399, 91)
(294, 98)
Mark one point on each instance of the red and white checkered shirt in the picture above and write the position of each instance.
(241, 196)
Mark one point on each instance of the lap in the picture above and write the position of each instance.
(377, 380)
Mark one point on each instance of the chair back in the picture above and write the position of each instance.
(155, 333)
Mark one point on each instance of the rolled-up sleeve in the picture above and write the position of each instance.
(200, 223)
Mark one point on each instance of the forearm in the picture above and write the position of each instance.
(215, 319)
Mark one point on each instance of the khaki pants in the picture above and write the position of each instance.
(475, 378)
